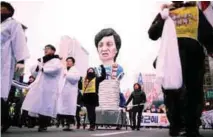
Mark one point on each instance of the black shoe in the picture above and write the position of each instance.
(67, 129)
(138, 129)
(118, 128)
(78, 127)
(133, 128)
(42, 129)
(91, 129)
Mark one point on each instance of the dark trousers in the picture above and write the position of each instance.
(191, 96)
(173, 99)
(5, 118)
(68, 119)
(28, 120)
(78, 119)
(44, 121)
(137, 110)
(194, 99)
(91, 114)
(60, 120)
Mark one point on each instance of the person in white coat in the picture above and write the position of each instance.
(43, 92)
(68, 93)
(14, 52)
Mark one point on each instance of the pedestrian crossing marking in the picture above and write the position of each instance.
(109, 134)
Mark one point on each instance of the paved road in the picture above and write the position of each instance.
(56, 132)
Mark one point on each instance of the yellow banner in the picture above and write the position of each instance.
(186, 20)
(89, 87)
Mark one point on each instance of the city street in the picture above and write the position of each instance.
(56, 132)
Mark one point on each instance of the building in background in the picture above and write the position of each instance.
(152, 90)
(70, 47)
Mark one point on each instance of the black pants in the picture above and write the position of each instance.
(68, 119)
(174, 101)
(44, 121)
(91, 115)
(137, 110)
(28, 120)
(5, 118)
(78, 119)
(60, 120)
(192, 62)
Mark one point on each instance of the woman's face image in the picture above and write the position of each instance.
(107, 49)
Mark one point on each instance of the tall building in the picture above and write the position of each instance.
(152, 90)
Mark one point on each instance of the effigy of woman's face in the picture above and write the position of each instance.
(107, 49)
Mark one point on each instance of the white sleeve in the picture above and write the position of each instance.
(53, 68)
(73, 79)
(19, 43)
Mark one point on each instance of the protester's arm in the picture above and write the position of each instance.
(155, 31)
(73, 78)
(18, 42)
(53, 69)
(103, 75)
(205, 34)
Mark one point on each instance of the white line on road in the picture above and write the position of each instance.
(109, 134)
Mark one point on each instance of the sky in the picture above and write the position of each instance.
(48, 20)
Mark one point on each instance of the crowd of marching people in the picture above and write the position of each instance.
(58, 92)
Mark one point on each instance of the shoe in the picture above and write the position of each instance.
(118, 128)
(133, 128)
(91, 129)
(57, 125)
(78, 127)
(67, 129)
(42, 129)
(138, 129)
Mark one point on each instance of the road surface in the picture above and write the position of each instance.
(56, 132)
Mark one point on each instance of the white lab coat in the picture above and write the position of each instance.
(68, 92)
(13, 49)
(43, 92)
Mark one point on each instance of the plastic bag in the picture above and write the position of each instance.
(169, 72)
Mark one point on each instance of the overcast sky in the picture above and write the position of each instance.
(48, 20)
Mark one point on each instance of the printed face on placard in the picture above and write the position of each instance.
(107, 49)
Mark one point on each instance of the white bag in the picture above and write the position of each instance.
(168, 67)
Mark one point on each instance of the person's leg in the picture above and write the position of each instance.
(5, 118)
(93, 117)
(140, 109)
(58, 121)
(78, 117)
(89, 114)
(195, 101)
(69, 120)
(134, 118)
(42, 123)
(172, 102)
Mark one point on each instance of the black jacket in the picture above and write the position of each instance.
(138, 97)
(92, 98)
(191, 46)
